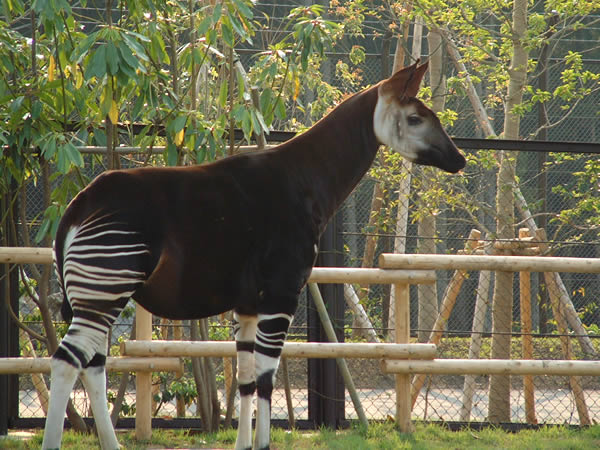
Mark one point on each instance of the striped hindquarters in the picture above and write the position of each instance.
(103, 261)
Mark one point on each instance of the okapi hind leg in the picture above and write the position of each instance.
(84, 339)
(245, 334)
(94, 380)
(62, 379)
(270, 337)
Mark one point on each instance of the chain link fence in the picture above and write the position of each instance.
(451, 207)
(468, 331)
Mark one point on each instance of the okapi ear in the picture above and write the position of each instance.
(406, 82)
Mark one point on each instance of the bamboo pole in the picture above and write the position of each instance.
(360, 315)
(113, 364)
(370, 276)
(143, 380)
(403, 404)
(290, 349)
(565, 303)
(227, 363)
(576, 389)
(526, 339)
(43, 255)
(496, 366)
(490, 262)
(288, 393)
(25, 255)
(482, 303)
(448, 302)
(177, 335)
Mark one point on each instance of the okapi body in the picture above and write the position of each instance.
(238, 234)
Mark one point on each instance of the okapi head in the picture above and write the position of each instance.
(410, 128)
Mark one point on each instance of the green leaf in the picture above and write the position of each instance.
(49, 147)
(112, 58)
(242, 94)
(280, 108)
(97, 65)
(177, 124)
(238, 112)
(227, 33)
(83, 47)
(136, 46)
(36, 109)
(243, 8)
(204, 26)
(262, 122)
(223, 94)
(238, 28)
(73, 155)
(256, 125)
(200, 155)
(158, 49)
(137, 107)
(217, 12)
(247, 125)
(43, 230)
(130, 59)
(135, 35)
(106, 99)
(170, 154)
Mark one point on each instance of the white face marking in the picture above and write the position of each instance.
(316, 249)
(400, 127)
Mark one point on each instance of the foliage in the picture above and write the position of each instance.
(164, 65)
(581, 212)
(483, 36)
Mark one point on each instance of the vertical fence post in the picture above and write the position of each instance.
(326, 396)
(403, 400)
(526, 338)
(143, 380)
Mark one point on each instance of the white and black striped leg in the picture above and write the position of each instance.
(270, 336)
(94, 380)
(245, 333)
(83, 340)
(63, 377)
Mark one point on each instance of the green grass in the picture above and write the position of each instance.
(378, 436)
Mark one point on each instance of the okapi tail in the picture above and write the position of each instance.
(66, 311)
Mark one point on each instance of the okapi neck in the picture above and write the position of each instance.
(334, 155)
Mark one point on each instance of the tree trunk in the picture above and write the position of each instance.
(360, 316)
(427, 227)
(482, 303)
(502, 307)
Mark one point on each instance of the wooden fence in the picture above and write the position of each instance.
(402, 358)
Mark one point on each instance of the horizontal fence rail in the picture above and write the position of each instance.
(290, 349)
(26, 255)
(495, 366)
(410, 267)
(115, 364)
(491, 262)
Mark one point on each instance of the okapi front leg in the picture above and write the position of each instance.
(245, 333)
(270, 336)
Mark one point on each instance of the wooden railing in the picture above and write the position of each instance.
(402, 358)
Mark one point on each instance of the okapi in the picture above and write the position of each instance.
(237, 234)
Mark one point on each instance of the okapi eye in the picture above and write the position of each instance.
(414, 120)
